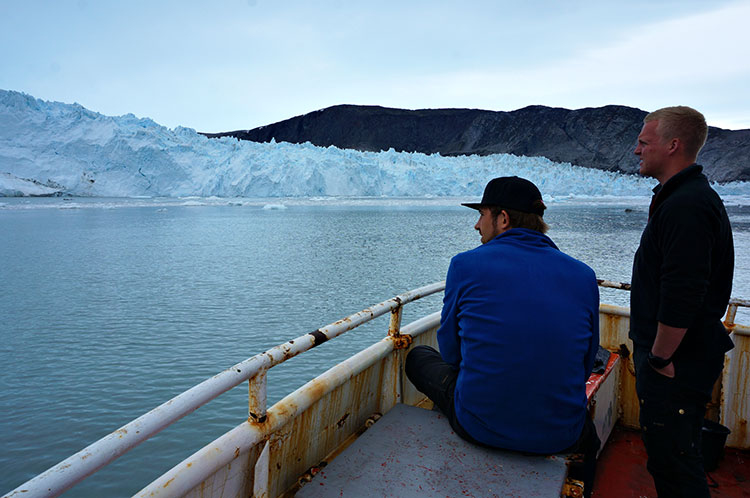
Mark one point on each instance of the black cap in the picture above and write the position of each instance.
(511, 192)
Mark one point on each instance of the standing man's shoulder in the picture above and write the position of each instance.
(692, 195)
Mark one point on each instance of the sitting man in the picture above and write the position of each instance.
(518, 335)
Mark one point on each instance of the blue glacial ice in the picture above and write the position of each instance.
(50, 147)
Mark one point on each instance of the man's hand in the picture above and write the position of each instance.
(667, 371)
(667, 340)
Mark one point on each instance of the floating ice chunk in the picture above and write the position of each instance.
(274, 206)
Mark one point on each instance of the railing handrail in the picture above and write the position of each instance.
(193, 470)
(104, 451)
(626, 286)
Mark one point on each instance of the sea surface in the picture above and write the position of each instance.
(109, 307)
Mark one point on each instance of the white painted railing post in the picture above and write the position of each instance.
(731, 315)
(257, 397)
(257, 414)
(394, 327)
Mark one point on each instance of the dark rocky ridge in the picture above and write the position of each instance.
(602, 137)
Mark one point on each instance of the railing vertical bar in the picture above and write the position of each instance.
(731, 315)
(394, 327)
(257, 396)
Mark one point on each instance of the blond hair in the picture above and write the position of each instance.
(684, 123)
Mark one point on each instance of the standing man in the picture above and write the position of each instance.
(518, 335)
(682, 280)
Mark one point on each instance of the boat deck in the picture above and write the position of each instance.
(428, 459)
(621, 471)
(413, 452)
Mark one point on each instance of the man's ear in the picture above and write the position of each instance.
(674, 145)
(503, 220)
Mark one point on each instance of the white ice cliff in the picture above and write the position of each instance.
(48, 147)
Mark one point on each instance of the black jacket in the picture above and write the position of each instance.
(682, 272)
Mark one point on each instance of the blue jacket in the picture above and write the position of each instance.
(520, 322)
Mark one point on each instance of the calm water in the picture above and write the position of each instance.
(111, 308)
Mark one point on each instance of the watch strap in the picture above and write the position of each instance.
(658, 361)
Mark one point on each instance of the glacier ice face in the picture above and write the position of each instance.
(67, 148)
(11, 186)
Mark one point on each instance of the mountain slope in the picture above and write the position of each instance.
(601, 138)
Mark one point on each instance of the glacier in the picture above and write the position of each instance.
(53, 148)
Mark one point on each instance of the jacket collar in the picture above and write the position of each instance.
(661, 192)
(524, 236)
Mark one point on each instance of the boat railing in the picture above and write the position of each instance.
(261, 421)
(89, 460)
(729, 318)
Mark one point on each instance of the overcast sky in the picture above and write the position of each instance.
(238, 64)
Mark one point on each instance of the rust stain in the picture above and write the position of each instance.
(342, 420)
(342, 321)
(402, 341)
(741, 429)
(288, 353)
(168, 482)
(280, 412)
(317, 388)
(237, 452)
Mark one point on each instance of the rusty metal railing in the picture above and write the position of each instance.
(86, 462)
(729, 318)
(189, 473)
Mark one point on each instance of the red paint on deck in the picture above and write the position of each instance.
(621, 471)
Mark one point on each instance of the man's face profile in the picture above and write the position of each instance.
(487, 225)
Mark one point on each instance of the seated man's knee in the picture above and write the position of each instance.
(416, 357)
(412, 358)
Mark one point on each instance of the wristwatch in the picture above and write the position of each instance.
(658, 362)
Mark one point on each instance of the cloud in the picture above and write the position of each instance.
(693, 60)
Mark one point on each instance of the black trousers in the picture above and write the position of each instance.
(671, 417)
(432, 376)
